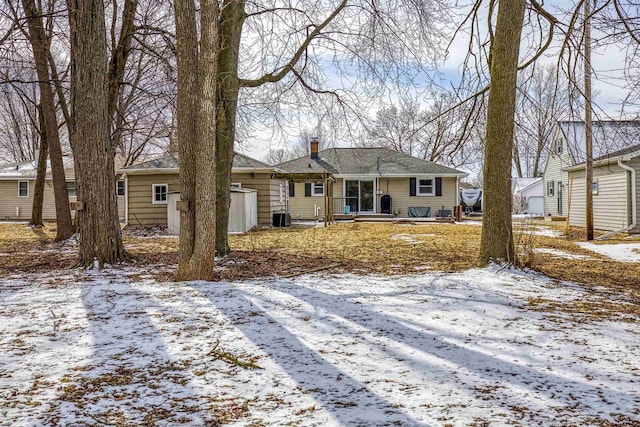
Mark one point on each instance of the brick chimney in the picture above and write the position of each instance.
(314, 147)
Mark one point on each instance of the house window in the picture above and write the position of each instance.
(71, 189)
(236, 185)
(550, 188)
(23, 188)
(559, 146)
(120, 188)
(425, 187)
(594, 187)
(317, 189)
(159, 192)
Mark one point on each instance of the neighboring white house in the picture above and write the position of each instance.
(615, 189)
(528, 196)
(567, 149)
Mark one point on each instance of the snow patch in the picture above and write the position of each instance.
(623, 252)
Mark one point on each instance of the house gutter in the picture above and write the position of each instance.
(634, 210)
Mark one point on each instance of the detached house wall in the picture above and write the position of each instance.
(611, 203)
(635, 163)
(9, 201)
(142, 210)
(559, 157)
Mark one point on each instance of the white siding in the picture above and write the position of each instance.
(553, 172)
(635, 163)
(610, 205)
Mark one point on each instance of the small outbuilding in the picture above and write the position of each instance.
(528, 196)
(243, 212)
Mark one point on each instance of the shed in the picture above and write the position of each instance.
(243, 212)
(528, 196)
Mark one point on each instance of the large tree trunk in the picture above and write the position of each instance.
(497, 235)
(198, 220)
(41, 172)
(203, 259)
(233, 16)
(187, 47)
(40, 46)
(98, 226)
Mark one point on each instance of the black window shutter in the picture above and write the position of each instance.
(292, 188)
(412, 186)
(307, 189)
(438, 186)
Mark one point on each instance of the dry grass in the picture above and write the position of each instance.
(381, 248)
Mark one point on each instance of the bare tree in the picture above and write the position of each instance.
(276, 156)
(445, 132)
(542, 100)
(302, 144)
(41, 172)
(282, 48)
(98, 228)
(497, 238)
(399, 128)
(19, 137)
(197, 95)
(40, 44)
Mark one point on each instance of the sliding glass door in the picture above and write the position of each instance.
(359, 195)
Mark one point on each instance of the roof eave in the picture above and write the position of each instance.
(153, 171)
(604, 162)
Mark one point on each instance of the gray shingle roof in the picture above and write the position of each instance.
(366, 161)
(618, 153)
(609, 136)
(170, 161)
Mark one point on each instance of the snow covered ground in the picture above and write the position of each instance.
(623, 252)
(96, 348)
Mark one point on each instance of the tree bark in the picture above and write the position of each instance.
(187, 52)
(41, 172)
(197, 105)
(233, 15)
(40, 46)
(98, 226)
(497, 236)
(202, 261)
